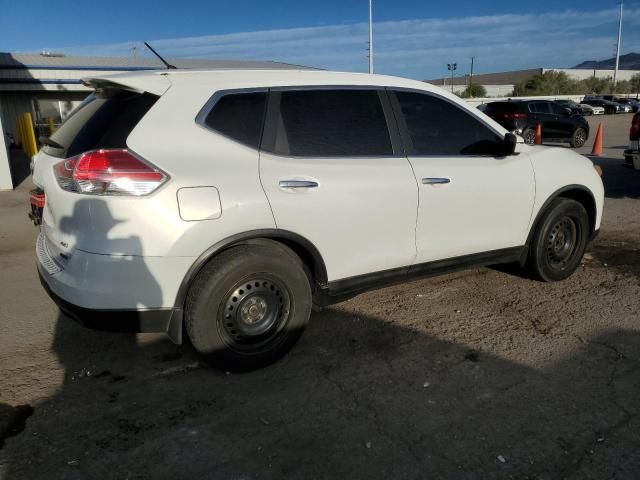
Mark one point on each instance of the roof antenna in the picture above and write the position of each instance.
(168, 65)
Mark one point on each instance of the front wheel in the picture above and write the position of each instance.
(559, 240)
(579, 138)
(248, 306)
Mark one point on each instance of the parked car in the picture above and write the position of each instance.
(523, 116)
(229, 203)
(632, 154)
(632, 103)
(609, 106)
(576, 108)
(594, 110)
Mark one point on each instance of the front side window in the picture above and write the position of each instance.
(323, 123)
(438, 127)
(239, 116)
(539, 107)
(558, 110)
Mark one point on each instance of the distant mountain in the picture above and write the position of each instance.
(630, 61)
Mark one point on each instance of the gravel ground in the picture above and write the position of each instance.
(480, 374)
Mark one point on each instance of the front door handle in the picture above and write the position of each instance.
(435, 181)
(298, 184)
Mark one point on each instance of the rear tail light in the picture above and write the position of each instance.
(634, 132)
(108, 172)
(513, 116)
(509, 116)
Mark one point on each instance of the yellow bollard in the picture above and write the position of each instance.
(32, 146)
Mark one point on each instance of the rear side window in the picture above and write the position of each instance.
(104, 120)
(438, 127)
(330, 123)
(239, 116)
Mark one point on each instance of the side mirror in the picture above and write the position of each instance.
(508, 145)
(568, 112)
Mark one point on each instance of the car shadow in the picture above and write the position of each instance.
(360, 397)
(619, 181)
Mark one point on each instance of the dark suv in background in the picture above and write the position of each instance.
(575, 108)
(558, 124)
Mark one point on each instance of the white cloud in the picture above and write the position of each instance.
(418, 48)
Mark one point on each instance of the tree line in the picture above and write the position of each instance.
(559, 83)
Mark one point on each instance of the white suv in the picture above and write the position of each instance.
(233, 201)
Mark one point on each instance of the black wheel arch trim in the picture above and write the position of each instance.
(318, 268)
(545, 205)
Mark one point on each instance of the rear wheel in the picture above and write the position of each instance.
(529, 136)
(579, 138)
(248, 306)
(559, 241)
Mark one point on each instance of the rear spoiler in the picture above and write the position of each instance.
(150, 82)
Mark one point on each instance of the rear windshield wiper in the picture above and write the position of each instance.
(47, 141)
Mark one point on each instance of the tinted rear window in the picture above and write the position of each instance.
(331, 123)
(501, 107)
(239, 116)
(103, 120)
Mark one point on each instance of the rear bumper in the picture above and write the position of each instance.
(165, 320)
(632, 158)
(116, 293)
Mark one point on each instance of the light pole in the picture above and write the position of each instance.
(370, 36)
(615, 72)
(452, 67)
(471, 77)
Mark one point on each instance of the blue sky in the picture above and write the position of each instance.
(412, 38)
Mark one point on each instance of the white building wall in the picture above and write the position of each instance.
(580, 74)
(5, 172)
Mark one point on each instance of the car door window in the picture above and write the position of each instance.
(539, 107)
(434, 126)
(329, 122)
(558, 110)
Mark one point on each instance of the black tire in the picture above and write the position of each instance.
(559, 240)
(529, 136)
(578, 138)
(248, 306)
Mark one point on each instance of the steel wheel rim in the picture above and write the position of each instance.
(561, 243)
(254, 313)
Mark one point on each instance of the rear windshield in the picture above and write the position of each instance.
(501, 107)
(104, 120)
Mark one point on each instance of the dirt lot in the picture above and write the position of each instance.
(482, 374)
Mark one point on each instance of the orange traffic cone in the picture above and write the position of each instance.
(597, 144)
(538, 138)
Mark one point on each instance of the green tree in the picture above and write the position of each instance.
(595, 85)
(634, 84)
(477, 91)
(547, 83)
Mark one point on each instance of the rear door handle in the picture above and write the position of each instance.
(435, 181)
(298, 184)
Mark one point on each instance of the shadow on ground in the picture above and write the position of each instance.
(619, 180)
(358, 398)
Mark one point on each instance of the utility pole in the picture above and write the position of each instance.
(133, 52)
(615, 72)
(471, 77)
(452, 67)
(370, 36)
